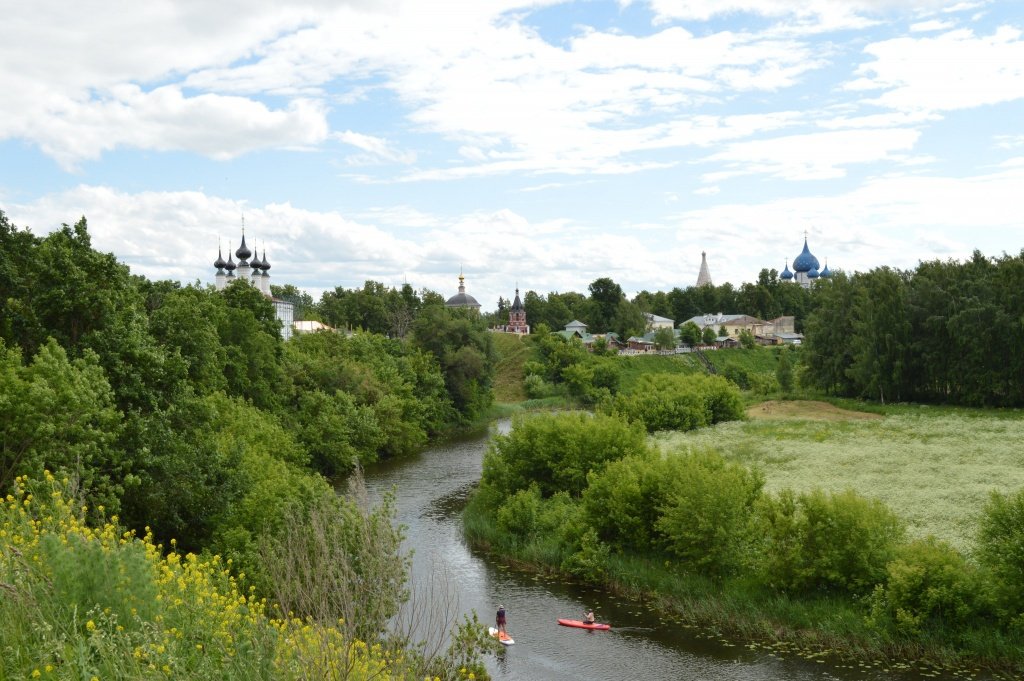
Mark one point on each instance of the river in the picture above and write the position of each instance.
(431, 490)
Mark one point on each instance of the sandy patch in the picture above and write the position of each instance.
(808, 410)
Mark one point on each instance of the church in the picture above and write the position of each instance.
(256, 273)
(805, 268)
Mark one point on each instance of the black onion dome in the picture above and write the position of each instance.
(255, 262)
(230, 264)
(517, 304)
(243, 251)
(266, 263)
(219, 262)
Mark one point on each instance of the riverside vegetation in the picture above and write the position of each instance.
(895, 536)
(177, 413)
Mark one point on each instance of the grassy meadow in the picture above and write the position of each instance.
(934, 467)
(513, 351)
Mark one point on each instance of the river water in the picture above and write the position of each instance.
(431, 489)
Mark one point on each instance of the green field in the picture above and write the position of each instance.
(933, 467)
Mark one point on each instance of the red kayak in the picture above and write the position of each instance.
(584, 625)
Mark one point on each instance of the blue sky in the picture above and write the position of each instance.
(540, 143)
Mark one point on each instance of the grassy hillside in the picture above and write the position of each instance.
(513, 351)
(635, 366)
(760, 360)
(933, 467)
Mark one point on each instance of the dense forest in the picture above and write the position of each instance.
(945, 332)
(177, 412)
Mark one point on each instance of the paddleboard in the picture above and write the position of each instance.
(504, 638)
(584, 625)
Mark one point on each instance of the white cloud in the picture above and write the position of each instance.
(812, 156)
(1009, 141)
(815, 15)
(956, 70)
(377, 149)
(931, 25)
(472, 73)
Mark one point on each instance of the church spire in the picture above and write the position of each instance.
(704, 277)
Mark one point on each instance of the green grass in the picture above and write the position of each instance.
(513, 351)
(759, 360)
(635, 366)
(935, 467)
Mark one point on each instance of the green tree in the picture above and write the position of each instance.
(690, 334)
(606, 296)
(59, 414)
(664, 339)
(464, 350)
(784, 371)
(708, 336)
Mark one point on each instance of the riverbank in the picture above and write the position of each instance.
(833, 630)
(555, 536)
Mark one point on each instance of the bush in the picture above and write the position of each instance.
(695, 506)
(928, 585)
(555, 452)
(519, 515)
(536, 387)
(1001, 550)
(676, 402)
(621, 502)
(705, 519)
(826, 542)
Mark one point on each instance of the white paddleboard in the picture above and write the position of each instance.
(506, 639)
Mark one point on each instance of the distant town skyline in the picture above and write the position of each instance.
(546, 143)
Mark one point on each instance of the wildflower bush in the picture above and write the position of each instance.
(83, 602)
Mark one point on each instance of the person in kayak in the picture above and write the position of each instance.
(500, 620)
(589, 617)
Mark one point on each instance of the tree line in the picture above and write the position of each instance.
(944, 332)
(180, 408)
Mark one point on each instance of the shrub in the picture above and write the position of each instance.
(1001, 550)
(696, 506)
(705, 519)
(555, 452)
(621, 502)
(929, 584)
(519, 515)
(676, 402)
(823, 542)
(536, 387)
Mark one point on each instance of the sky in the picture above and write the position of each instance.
(540, 144)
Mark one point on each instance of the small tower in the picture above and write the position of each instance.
(257, 270)
(704, 278)
(517, 316)
(243, 253)
(220, 279)
(230, 267)
(786, 274)
(264, 274)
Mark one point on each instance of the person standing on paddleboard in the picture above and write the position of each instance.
(500, 620)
